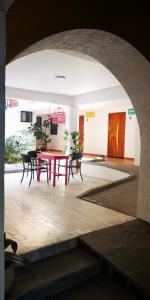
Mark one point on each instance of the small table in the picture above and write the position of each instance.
(54, 157)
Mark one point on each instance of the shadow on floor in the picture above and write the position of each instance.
(126, 248)
(119, 196)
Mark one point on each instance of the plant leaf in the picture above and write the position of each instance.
(16, 258)
(9, 242)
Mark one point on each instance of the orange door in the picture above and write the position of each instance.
(116, 134)
(81, 130)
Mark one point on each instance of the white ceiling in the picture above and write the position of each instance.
(37, 72)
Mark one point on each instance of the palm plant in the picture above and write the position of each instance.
(12, 256)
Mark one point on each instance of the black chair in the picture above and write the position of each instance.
(74, 163)
(33, 154)
(31, 165)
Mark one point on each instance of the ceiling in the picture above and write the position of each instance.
(38, 71)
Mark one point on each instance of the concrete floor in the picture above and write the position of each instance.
(97, 289)
(120, 196)
(43, 215)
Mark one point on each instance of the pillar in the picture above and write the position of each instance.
(71, 123)
(137, 146)
(2, 145)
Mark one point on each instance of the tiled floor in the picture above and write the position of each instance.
(42, 215)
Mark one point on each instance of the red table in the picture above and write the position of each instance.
(54, 157)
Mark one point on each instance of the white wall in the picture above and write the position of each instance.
(96, 130)
(13, 126)
(23, 94)
(13, 123)
(107, 94)
(56, 140)
(137, 145)
(71, 119)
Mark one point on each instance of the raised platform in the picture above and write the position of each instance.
(114, 261)
(99, 169)
(125, 248)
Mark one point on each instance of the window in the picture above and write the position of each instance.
(53, 130)
(39, 121)
(26, 116)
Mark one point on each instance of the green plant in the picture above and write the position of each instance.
(14, 146)
(11, 256)
(76, 141)
(39, 131)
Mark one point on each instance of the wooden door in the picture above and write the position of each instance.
(116, 134)
(81, 130)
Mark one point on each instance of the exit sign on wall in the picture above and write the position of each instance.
(131, 111)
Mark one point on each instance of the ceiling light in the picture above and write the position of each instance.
(60, 77)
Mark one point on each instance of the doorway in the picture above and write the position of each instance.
(116, 134)
(81, 130)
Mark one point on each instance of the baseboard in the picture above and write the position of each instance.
(106, 156)
(56, 150)
(128, 158)
(91, 154)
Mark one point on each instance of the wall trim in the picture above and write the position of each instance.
(106, 156)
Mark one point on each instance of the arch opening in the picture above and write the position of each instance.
(129, 67)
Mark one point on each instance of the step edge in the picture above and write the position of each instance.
(96, 268)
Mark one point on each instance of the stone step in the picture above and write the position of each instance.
(51, 250)
(55, 274)
(124, 248)
(98, 288)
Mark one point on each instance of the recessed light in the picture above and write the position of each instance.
(60, 77)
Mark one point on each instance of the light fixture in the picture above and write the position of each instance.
(60, 77)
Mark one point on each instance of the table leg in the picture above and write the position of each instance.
(49, 169)
(66, 172)
(54, 176)
(38, 171)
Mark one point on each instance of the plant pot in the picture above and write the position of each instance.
(43, 148)
(9, 278)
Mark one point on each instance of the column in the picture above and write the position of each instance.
(2, 146)
(71, 122)
(137, 145)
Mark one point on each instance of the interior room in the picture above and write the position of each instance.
(74, 143)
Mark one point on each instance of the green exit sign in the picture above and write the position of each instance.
(131, 111)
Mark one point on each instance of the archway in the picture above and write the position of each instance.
(133, 72)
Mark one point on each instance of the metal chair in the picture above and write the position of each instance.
(31, 165)
(74, 163)
(33, 154)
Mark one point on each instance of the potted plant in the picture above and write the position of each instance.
(11, 258)
(76, 142)
(39, 131)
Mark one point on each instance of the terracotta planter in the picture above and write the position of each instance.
(9, 278)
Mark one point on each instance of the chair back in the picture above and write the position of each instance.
(26, 158)
(76, 155)
(32, 153)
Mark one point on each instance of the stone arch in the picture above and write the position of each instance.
(133, 72)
